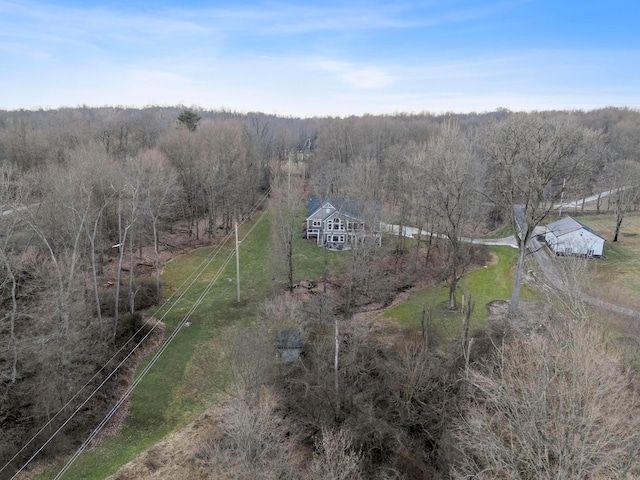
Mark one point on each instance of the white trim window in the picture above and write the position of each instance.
(317, 223)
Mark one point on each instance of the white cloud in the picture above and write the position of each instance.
(358, 76)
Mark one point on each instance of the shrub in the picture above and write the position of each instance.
(552, 405)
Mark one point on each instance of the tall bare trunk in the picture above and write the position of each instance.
(514, 307)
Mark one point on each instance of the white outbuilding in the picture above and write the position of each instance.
(570, 237)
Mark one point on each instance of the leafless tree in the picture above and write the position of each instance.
(158, 190)
(623, 180)
(336, 458)
(575, 273)
(286, 199)
(255, 441)
(529, 158)
(182, 149)
(549, 406)
(59, 222)
(10, 201)
(455, 176)
(128, 205)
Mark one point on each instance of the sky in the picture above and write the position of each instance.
(321, 58)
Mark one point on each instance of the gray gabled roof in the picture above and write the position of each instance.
(287, 339)
(345, 207)
(568, 225)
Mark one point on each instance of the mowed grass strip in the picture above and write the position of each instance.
(189, 374)
(192, 371)
(493, 282)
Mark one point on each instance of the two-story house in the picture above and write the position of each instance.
(335, 223)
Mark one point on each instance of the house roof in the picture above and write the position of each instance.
(346, 207)
(287, 339)
(568, 225)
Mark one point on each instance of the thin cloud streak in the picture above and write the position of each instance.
(305, 59)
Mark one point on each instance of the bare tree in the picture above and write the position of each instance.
(255, 441)
(127, 210)
(575, 273)
(286, 198)
(158, 185)
(546, 407)
(623, 178)
(336, 458)
(529, 159)
(455, 180)
(10, 201)
(58, 222)
(182, 149)
(95, 173)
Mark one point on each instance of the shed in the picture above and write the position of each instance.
(288, 345)
(570, 237)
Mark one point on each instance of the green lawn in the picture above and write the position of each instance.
(189, 374)
(494, 282)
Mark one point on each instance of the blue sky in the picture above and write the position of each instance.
(318, 58)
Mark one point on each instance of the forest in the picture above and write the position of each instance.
(95, 201)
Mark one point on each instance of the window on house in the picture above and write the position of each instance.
(317, 223)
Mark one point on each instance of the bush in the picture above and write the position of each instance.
(552, 405)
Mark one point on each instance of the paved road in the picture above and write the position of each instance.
(537, 249)
(412, 232)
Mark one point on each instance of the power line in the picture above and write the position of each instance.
(146, 369)
(155, 358)
(194, 276)
(206, 262)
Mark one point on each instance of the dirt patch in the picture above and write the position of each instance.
(492, 260)
(181, 454)
(533, 316)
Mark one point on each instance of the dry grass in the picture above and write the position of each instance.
(617, 278)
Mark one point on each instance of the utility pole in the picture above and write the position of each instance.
(237, 263)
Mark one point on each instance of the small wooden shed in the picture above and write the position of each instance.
(288, 345)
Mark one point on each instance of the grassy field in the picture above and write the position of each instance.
(494, 282)
(617, 278)
(190, 373)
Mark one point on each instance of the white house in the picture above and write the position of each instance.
(570, 237)
(335, 223)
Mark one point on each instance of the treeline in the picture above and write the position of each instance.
(92, 196)
(91, 200)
